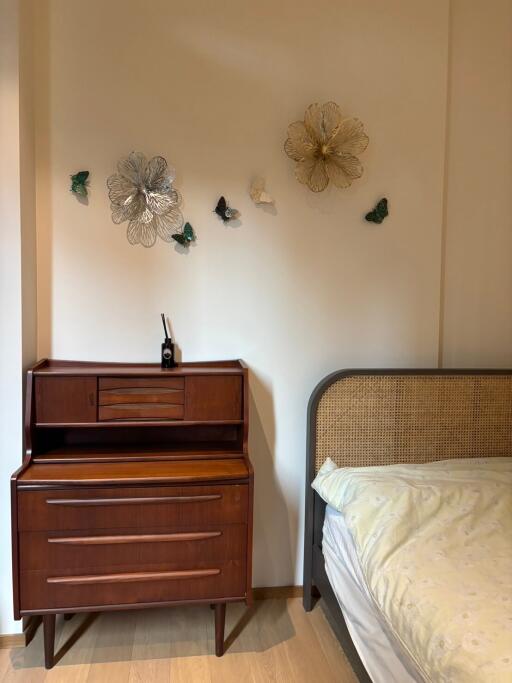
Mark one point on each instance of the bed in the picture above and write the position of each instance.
(419, 422)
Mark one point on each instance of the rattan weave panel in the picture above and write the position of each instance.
(383, 419)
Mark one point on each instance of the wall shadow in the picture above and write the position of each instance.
(271, 514)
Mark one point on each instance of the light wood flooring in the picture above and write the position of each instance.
(275, 641)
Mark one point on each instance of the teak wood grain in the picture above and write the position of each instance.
(127, 383)
(150, 472)
(213, 398)
(115, 550)
(136, 490)
(150, 410)
(131, 507)
(109, 397)
(70, 399)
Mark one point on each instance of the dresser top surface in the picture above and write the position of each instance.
(143, 472)
(48, 366)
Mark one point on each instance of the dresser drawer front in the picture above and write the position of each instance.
(115, 550)
(141, 411)
(139, 398)
(132, 508)
(109, 397)
(206, 580)
(107, 383)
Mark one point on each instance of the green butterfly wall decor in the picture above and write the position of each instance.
(379, 213)
(186, 237)
(79, 183)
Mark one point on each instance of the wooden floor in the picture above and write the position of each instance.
(275, 641)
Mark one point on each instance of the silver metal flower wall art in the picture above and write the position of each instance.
(325, 147)
(141, 193)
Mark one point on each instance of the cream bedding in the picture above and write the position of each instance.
(435, 546)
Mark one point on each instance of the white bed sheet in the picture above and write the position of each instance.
(382, 656)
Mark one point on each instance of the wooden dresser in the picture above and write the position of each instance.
(136, 490)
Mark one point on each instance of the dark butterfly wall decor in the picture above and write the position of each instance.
(79, 183)
(186, 237)
(379, 213)
(224, 211)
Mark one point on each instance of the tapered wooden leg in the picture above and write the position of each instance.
(49, 639)
(220, 619)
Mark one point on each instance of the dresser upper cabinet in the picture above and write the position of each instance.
(69, 399)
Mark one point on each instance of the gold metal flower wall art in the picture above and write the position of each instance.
(325, 147)
(141, 193)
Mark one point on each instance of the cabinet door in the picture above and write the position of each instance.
(66, 399)
(213, 397)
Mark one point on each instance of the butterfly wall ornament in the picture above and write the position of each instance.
(79, 183)
(258, 194)
(379, 213)
(225, 212)
(186, 236)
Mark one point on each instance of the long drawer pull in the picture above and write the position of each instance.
(88, 502)
(130, 578)
(135, 538)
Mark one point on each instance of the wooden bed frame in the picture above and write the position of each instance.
(381, 417)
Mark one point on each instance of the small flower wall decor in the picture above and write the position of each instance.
(325, 147)
(141, 193)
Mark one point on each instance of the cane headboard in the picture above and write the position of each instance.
(369, 417)
(380, 417)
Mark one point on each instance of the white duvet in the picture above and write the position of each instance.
(435, 546)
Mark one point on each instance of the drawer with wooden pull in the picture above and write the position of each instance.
(137, 507)
(111, 550)
(205, 580)
(152, 398)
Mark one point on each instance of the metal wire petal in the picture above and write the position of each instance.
(158, 202)
(129, 210)
(119, 188)
(337, 174)
(139, 232)
(312, 120)
(312, 173)
(158, 176)
(350, 137)
(132, 167)
(168, 224)
(331, 119)
(299, 144)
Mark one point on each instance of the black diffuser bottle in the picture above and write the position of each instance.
(167, 349)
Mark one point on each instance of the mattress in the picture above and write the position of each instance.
(381, 654)
(431, 546)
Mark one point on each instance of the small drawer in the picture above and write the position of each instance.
(141, 383)
(108, 397)
(206, 580)
(113, 508)
(141, 411)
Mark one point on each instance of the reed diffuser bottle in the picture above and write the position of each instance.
(167, 349)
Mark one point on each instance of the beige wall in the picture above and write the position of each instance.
(296, 293)
(477, 316)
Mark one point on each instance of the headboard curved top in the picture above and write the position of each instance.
(380, 417)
